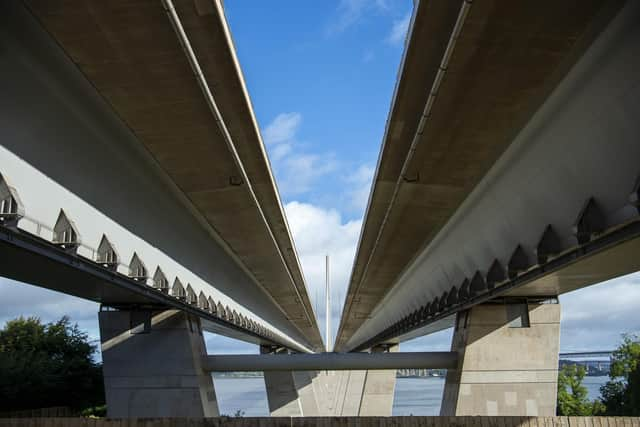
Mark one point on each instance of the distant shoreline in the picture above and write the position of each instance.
(242, 375)
(230, 375)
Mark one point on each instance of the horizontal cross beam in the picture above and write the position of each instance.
(330, 361)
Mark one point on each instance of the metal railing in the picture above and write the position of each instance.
(43, 231)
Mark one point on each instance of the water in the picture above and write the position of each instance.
(593, 385)
(417, 396)
(413, 396)
(248, 395)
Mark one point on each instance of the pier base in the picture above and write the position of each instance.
(507, 361)
(331, 393)
(152, 365)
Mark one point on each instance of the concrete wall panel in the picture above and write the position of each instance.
(504, 370)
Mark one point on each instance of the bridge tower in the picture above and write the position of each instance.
(507, 360)
(152, 363)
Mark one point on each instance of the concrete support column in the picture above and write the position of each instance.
(152, 365)
(362, 393)
(508, 361)
(290, 393)
(330, 393)
(349, 388)
(377, 393)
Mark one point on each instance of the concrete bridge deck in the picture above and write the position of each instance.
(507, 155)
(508, 175)
(333, 422)
(113, 128)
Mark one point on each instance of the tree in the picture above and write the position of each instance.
(621, 394)
(45, 365)
(572, 395)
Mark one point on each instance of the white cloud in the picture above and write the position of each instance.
(438, 341)
(296, 171)
(283, 128)
(219, 344)
(399, 29)
(360, 186)
(318, 232)
(279, 151)
(350, 12)
(593, 318)
(19, 299)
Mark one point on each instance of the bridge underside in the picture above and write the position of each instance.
(168, 70)
(32, 260)
(556, 208)
(71, 149)
(508, 175)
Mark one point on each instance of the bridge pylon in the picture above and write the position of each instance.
(152, 365)
(364, 392)
(507, 360)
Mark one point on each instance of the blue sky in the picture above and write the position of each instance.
(321, 76)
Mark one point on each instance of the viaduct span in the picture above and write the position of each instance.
(133, 174)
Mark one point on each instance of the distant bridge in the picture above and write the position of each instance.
(586, 354)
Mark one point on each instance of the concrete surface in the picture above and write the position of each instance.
(282, 395)
(64, 146)
(377, 393)
(538, 109)
(152, 365)
(133, 59)
(504, 370)
(331, 393)
(336, 421)
(289, 394)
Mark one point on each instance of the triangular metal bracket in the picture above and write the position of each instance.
(192, 298)
(548, 245)
(65, 233)
(477, 284)
(452, 299)
(590, 221)
(435, 306)
(137, 269)
(518, 262)
(160, 281)
(11, 207)
(463, 293)
(496, 274)
(106, 254)
(203, 302)
(177, 290)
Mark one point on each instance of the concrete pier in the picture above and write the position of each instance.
(290, 393)
(330, 422)
(152, 365)
(507, 361)
(331, 393)
(378, 388)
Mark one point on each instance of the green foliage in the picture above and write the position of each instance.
(621, 394)
(572, 395)
(95, 412)
(45, 365)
